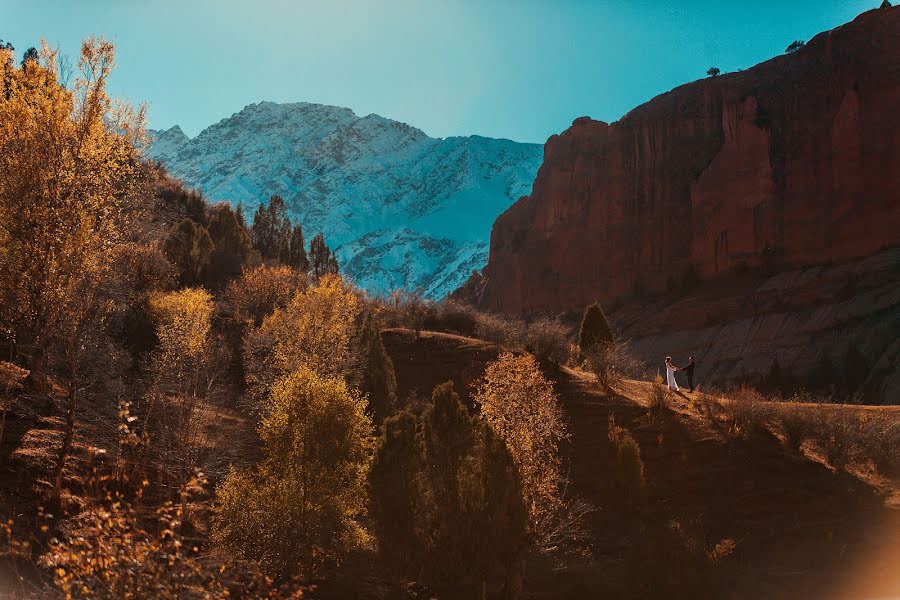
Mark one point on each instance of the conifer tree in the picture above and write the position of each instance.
(594, 330)
(394, 495)
(475, 515)
(231, 247)
(189, 247)
(378, 380)
(297, 254)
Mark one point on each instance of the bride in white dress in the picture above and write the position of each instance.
(670, 374)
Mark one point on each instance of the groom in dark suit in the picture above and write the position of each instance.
(689, 371)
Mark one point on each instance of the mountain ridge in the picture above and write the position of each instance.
(423, 205)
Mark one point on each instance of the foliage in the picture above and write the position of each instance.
(67, 191)
(475, 519)
(594, 330)
(378, 381)
(189, 247)
(231, 247)
(262, 289)
(520, 405)
(185, 368)
(298, 510)
(609, 363)
(794, 46)
(315, 330)
(628, 479)
(394, 501)
(321, 260)
(713, 71)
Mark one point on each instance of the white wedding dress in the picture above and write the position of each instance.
(670, 378)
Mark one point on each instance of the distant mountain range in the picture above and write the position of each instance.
(401, 209)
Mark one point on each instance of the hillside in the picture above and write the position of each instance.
(801, 529)
(779, 181)
(402, 210)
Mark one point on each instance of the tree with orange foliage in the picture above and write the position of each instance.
(68, 172)
(519, 403)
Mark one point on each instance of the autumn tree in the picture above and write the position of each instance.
(519, 403)
(315, 330)
(68, 175)
(378, 381)
(259, 291)
(184, 367)
(299, 508)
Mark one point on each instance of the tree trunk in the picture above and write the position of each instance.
(515, 578)
(66, 445)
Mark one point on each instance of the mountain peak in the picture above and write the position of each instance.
(400, 208)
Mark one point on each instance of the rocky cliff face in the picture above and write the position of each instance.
(400, 208)
(791, 163)
(747, 219)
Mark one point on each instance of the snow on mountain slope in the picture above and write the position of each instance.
(400, 208)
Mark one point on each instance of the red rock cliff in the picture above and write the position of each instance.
(793, 162)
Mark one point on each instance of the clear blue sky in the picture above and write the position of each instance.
(518, 69)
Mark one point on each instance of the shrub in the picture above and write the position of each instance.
(657, 405)
(746, 414)
(794, 46)
(628, 480)
(299, 508)
(609, 363)
(548, 340)
(713, 71)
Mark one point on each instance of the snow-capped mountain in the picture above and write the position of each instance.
(402, 210)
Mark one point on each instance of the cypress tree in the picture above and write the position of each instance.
(232, 247)
(297, 250)
(594, 329)
(189, 247)
(378, 380)
(393, 494)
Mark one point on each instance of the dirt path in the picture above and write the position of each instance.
(800, 530)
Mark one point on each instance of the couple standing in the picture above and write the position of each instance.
(670, 374)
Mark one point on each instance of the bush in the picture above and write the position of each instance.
(548, 340)
(299, 508)
(609, 363)
(657, 405)
(628, 480)
(746, 415)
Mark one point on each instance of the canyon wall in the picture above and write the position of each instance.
(791, 163)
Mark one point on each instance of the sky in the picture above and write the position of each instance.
(517, 69)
